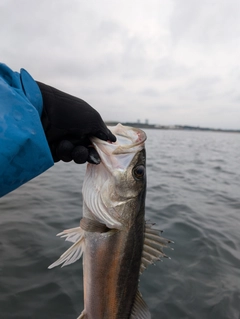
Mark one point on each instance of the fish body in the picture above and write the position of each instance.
(116, 242)
(111, 273)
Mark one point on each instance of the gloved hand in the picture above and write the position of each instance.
(68, 123)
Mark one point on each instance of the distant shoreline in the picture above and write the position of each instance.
(171, 127)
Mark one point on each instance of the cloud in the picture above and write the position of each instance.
(168, 69)
(166, 60)
(205, 23)
(149, 92)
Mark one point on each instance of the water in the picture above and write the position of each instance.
(193, 194)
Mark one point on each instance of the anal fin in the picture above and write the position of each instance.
(140, 309)
(152, 247)
(82, 315)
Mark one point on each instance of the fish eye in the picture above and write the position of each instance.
(139, 171)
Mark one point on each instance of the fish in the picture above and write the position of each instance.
(116, 242)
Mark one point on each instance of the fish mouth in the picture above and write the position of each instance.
(129, 137)
(119, 154)
(128, 140)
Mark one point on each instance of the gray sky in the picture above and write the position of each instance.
(168, 61)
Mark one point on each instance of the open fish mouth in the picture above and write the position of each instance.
(119, 154)
(129, 137)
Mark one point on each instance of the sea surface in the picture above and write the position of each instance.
(193, 195)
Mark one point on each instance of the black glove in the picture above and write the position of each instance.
(68, 123)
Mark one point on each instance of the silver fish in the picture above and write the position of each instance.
(116, 242)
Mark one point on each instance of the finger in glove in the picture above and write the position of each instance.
(64, 150)
(79, 154)
(106, 137)
(93, 156)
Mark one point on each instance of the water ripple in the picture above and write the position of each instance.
(193, 194)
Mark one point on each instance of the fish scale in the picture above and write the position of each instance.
(116, 242)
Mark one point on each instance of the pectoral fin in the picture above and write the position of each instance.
(140, 309)
(76, 236)
(153, 247)
(75, 252)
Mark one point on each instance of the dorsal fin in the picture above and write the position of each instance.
(153, 247)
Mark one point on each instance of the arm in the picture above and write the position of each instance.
(24, 150)
(40, 125)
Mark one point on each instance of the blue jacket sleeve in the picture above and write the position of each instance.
(24, 151)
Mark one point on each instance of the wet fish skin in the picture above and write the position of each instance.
(112, 259)
(110, 282)
(116, 243)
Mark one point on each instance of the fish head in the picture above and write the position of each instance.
(114, 191)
